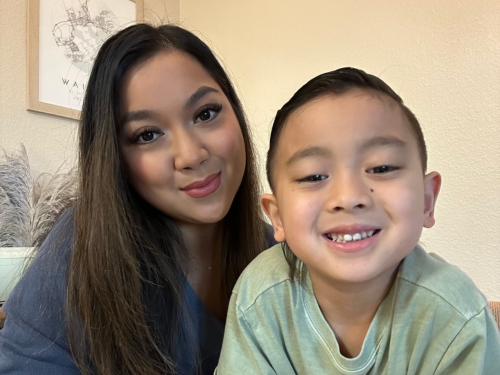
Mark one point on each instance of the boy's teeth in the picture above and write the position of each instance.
(339, 237)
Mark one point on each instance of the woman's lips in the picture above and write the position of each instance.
(200, 189)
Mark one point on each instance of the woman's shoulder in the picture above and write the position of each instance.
(59, 240)
(51, 261)
(34, 338)
(38, 299)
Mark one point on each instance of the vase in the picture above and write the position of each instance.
(12, 263)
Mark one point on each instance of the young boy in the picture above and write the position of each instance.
(349, 291)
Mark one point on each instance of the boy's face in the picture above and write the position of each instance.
(350, 196)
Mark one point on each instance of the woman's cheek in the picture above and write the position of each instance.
(231, 147)
(147, 169)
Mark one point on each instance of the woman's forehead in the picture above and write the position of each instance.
(168, 78)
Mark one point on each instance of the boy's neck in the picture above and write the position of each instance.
(349, 308)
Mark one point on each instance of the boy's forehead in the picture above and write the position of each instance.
(353, 109)
(346, 121)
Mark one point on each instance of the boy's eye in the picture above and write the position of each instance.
(313, 178)
(207, 112)
(382, 169)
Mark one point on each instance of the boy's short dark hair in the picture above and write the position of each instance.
(336, 83)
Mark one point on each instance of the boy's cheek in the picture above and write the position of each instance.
(407, 197)
(298, 222)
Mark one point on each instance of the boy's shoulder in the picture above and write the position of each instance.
(439, 279)
(269, 270)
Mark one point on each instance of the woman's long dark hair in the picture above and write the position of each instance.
(126, 252)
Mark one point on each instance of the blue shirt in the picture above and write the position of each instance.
(34, 340)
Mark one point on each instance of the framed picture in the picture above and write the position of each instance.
(64, 37)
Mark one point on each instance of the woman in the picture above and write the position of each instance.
(137, 277)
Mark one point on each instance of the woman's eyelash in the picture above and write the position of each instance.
(148, 135)
(207, 113)
(313, 178)
(381, 169)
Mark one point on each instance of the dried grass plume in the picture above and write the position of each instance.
(29, 207)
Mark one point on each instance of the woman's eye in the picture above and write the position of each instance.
(206, 115)
(208, 112)
(313, 178)
(382, 169)
(147, 136)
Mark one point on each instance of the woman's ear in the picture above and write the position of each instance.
(432, 184)
(271, 209)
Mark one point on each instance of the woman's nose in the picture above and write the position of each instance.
(188, 149)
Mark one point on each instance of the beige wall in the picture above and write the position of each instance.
(50, 141)
(442, 57)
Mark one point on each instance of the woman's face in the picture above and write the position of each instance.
(180, 140)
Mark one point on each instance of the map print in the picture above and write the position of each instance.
(81, 35)
(72, 31)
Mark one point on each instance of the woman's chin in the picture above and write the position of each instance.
(204, 217)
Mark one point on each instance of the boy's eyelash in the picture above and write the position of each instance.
(381, 169)
(313, 178)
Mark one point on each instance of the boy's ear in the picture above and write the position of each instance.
(271, 209)
(432, 184)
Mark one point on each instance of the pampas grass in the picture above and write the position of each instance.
(29, 207)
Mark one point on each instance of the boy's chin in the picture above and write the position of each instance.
(353, 274)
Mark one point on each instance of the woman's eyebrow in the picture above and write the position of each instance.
(147, 114)
(198, 94)
(143, 114)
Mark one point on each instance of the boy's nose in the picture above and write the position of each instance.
(348, 193)
(188, 150)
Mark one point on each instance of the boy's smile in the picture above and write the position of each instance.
(350, 197)
(352, 238)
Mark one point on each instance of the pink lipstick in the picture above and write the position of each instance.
(200, 189)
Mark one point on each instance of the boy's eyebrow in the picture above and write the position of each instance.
(143, 114)
(198, 94)
(308, 152)
(325, 152)
(383, 141)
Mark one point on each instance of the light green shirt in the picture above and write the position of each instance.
(433, 321)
